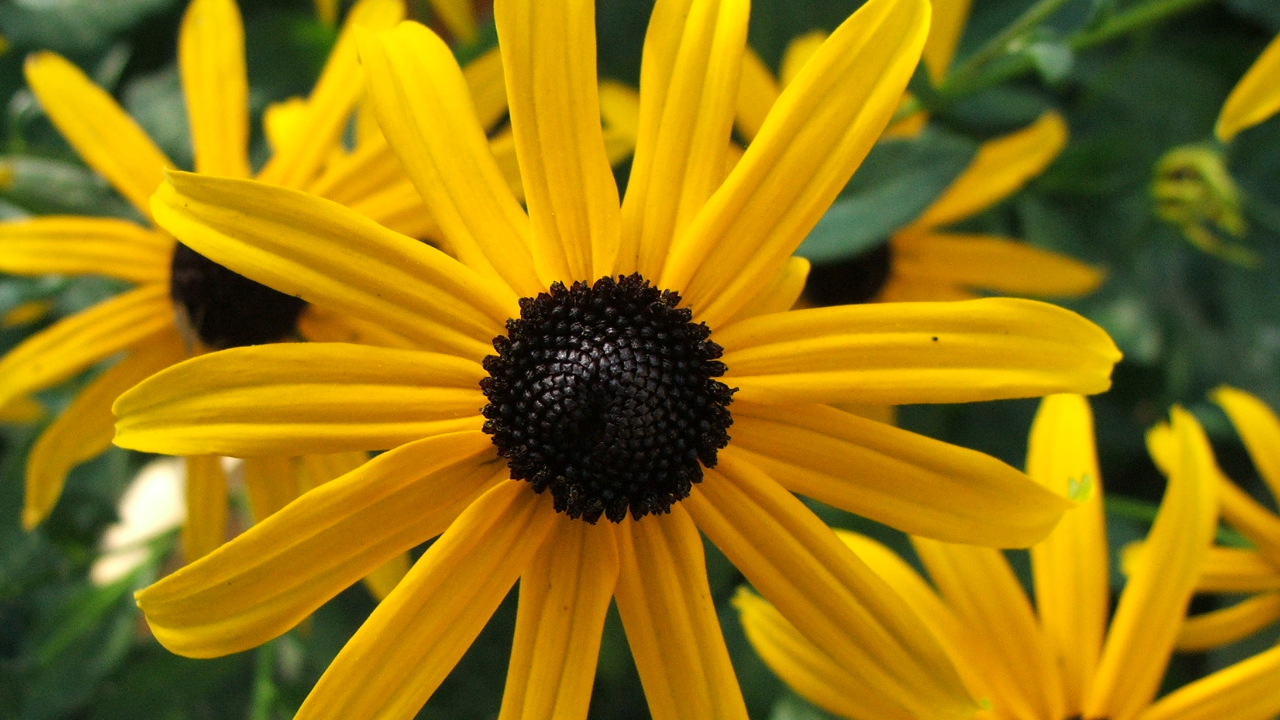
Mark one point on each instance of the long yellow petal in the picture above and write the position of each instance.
(457, 15)
(383, 579)
(73, 245)
(666, 608)
(267, 580)
(907, 481)
(84, 429)
(779, 294)
(216, 86)
(414, 638)
(1153, 603)
(1069, 568)
(319, 324)
(487, 83)
(689, 82)
(399, 207)
(1255, 98)
(823, 589)
(1258, 427)
(1000, 168)
(756, 95)
(206, 526)
(1245, 691)
(1221, 627)
(1251, 518)
(817, 134)
(981, 589)
(564, 595)
(899, 353)
(549, 53)
(271, 483)
(102, 133)
(994, 264)
(293, 399)
(81, 340)
(949, 20)
(1236, 570)
(329, 106)
(330, 255)
(425, 110)
(799, 52)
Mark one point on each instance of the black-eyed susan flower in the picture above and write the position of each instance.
(1057, 658)
(182, 302)
(595, 381)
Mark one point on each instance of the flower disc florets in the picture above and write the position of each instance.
(226, 309)
(605, 395)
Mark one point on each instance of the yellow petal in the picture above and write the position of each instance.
(757, 93)
(666, 608)
(322, 325)
(84, 429)
(899, 353)
(216, 86)
(549, 54)
(907, 481)
(1155, 599)
(414, 638)
(327, 11)
(21, 410)
(1220, 627)
(822, 588)
(799, 51)
(329, 106)
(267, 580)
(399, 207)
(1069, 568)
(457, 15)
(102, 133)
(84, 339)
(903, 289)
(487, 83)
(949, 19)
(1258, 427)
(330, 255)
(1245, 691)
(620, 113)
(271, 483)
(367, 169)
(980, 587)
(1255, 98)
(1236, 570)
(994, 264)
(815, 136)
(780, 293)
(1001, 167)
(1251, 518)
(85, 246)
(282, 121)
(292, 399)
(564, 595)
(384, 578)
(689, 81)
(424, 109)
(206, 491)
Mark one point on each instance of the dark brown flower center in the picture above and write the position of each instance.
(605, 395)
(225, 309)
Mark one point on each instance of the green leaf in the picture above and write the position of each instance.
(73, 26)
(1053, 59)
(897, 181)
(48, 186)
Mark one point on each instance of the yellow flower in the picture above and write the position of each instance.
(607, 398)
(147, 324)
(458, 16)
(1056, 659)
(1255, 98)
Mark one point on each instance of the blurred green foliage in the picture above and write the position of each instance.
(1186, 321)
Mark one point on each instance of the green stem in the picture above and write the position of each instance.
(998, 46)
(1126, 22)
(1145, 512)
(264, 686)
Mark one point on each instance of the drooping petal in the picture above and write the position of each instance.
(330, 255)
(414, 638)
(267, 580)
(1258, 427)
(79, 341)
(817, 134)
(1153, 603)
(949, 19)
(835, 601)
(993, 264)
(1000, 168)
(297, 162)
(85, 246)
(84, 429)
(564, 595)
(666, 608)
(425, 110)
(271, 483)
(756, 95)
(899, 353)
(549, 54)
(1207, 631)
(780, 293)
(980, 587)
(102, 133)
(206, 491)
(292, 399)
(1236, 570)
(216, 86)
(1255, 98)
(907, 481)
(689, 82)
(1245, 691)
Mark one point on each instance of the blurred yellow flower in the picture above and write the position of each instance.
(1255, 98)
